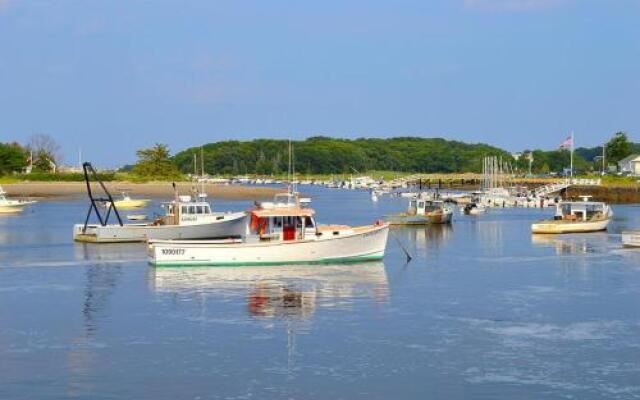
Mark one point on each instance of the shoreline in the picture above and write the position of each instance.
(156, 189)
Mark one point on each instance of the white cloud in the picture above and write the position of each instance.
(512, 5)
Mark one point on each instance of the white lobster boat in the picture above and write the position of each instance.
(185, 219)
(422, 211)
(10, 206)
(576, 217)
(281, 232)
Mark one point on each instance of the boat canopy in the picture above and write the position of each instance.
(284, 212)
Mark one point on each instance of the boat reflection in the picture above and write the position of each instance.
(278, 291)
(106, 252)
(425, 237)
(570, 244)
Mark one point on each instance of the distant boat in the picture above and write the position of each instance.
(422, 212)
(631, 238)
(473, 209)
(576, 217)
(10, 206)
(127, 203)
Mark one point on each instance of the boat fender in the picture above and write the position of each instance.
(378, 222)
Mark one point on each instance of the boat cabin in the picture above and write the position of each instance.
(419, 206)
(580, 211)
(186, 211)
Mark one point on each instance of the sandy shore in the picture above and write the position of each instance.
(74, 189)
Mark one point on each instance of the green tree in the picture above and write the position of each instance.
(13, 158)
(43, 161)
(618, 147)
(46, 153)
(155, 163)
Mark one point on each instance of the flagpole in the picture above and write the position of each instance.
(571, 156)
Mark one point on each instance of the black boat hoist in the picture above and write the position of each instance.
(103, 217)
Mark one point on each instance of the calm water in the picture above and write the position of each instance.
(483, 311)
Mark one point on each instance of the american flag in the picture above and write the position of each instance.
(567, 143)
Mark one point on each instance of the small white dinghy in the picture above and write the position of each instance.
(281, 232)
(631, 238)
(576, 217)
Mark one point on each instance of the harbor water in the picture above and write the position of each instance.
(484, 311)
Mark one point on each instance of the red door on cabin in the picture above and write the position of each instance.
(289, 229)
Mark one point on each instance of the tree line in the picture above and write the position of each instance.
(323, 155)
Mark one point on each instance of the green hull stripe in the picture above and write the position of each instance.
(344, 260)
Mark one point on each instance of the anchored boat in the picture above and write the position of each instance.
(631, 238)
(421, 212)
(185, 218)
(10, 206)
(280, 232)
(127, 203)
(576, 217)
(473, 209)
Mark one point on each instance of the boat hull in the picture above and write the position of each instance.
(233, 225)
(631, 238)
(433, 218)
(559, 227)
(130, 204)
(364, 244)
(10, 210)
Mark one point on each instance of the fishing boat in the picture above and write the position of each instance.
(631, 238)
(127, 203)
(280, 232)
(576, 217)
(11, 206)
(185, 218)
(473, 209)
(422, 212)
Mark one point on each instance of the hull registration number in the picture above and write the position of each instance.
(172, 252)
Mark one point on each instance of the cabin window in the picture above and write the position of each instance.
(207, 210)
(412, 204)
(308, 222)
(185, 210)
(421, 204)
(192, 209)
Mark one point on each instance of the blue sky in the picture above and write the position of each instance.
(113, 76)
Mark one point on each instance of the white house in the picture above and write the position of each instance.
(630, 164)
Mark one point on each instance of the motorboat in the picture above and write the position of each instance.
(185, 218)
(12, 206)
(128, 203)
(473, 209)
(631, 238)
(422, 211)
(283, 231)
(576, 217)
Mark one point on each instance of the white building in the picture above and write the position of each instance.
(630, 165)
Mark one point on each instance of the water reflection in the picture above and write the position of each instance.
(570, 244)
(109, 252)
(278, 291)
(425, 237)
(100, 282)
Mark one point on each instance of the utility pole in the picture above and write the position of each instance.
(604, 164)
